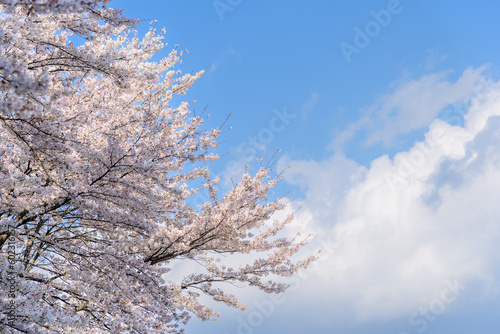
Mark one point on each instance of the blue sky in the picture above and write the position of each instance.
(387, 113)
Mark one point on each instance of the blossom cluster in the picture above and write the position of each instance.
(97, 168)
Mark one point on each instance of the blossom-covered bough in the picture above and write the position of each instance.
(95, 168)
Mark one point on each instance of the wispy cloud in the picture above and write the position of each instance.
(412, 106)
(308, 107)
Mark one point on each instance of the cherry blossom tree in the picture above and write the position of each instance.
(98, 170)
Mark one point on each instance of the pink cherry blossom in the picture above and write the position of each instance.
(97, 169)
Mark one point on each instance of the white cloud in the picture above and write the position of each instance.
(308, 107)
(412, 106)
(405, 225)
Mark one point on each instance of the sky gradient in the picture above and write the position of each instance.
(388, 114)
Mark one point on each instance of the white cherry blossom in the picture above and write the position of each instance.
(97, 170)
